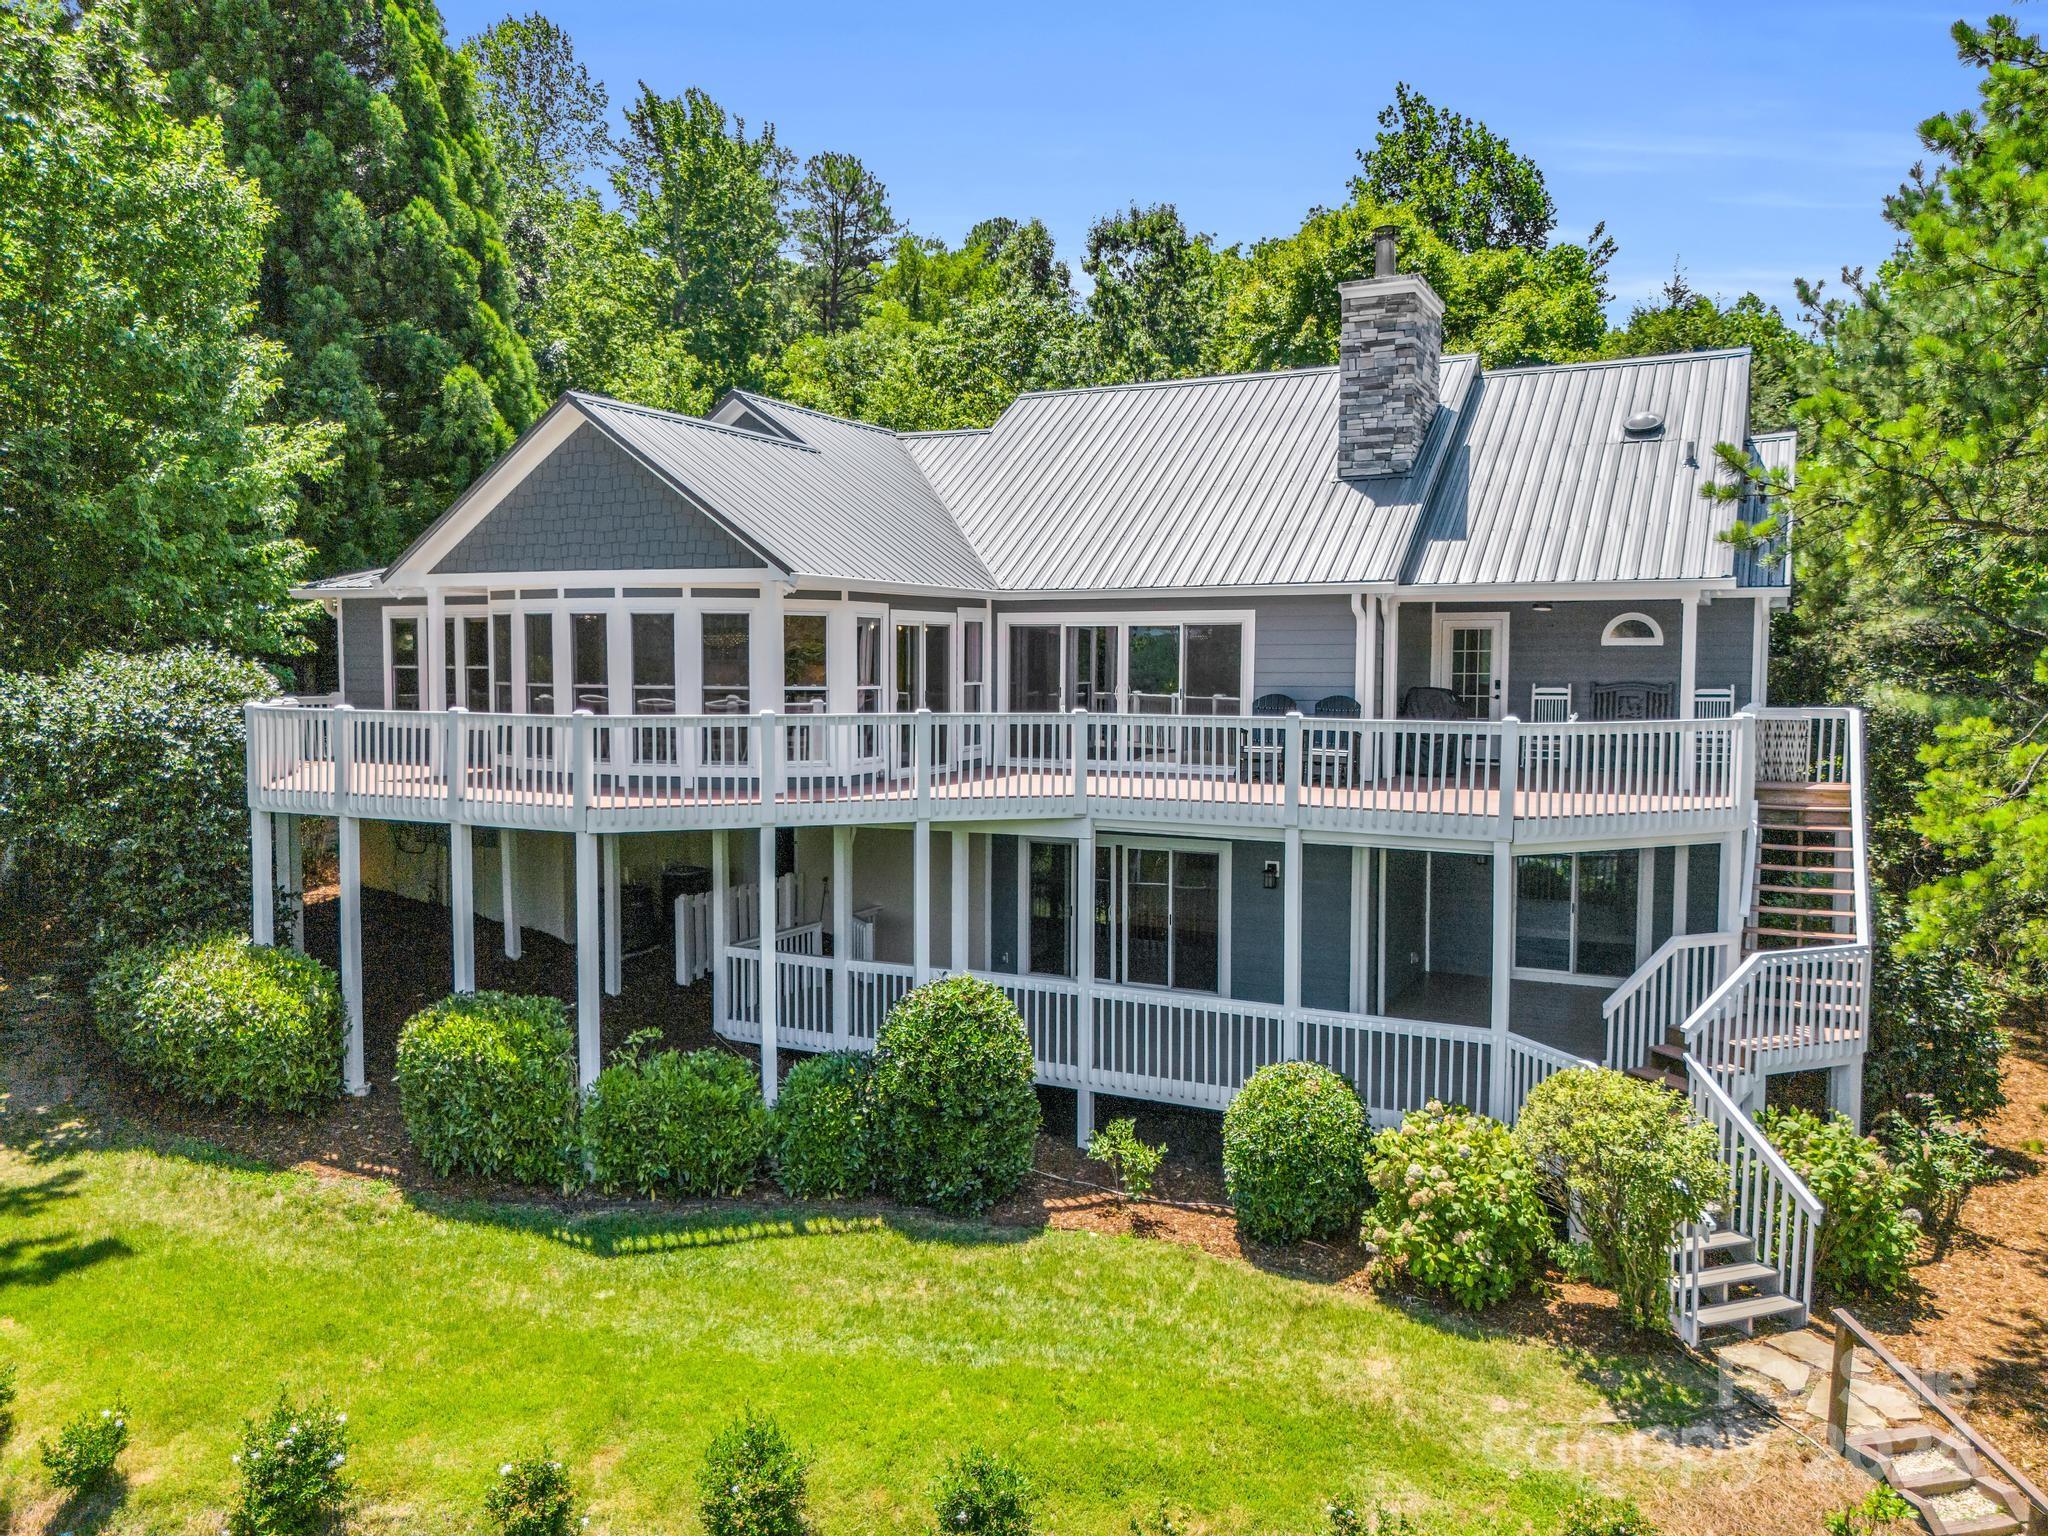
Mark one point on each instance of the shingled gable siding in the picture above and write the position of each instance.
(1301, 646)
(1563, 646)
(589, 506)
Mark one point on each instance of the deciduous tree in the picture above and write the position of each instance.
(1459, 178)
(842, 226)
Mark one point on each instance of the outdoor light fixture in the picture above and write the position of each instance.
(1272, 875)
(1545, 607)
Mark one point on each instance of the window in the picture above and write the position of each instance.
(590, 653)
(1158, 917)
(540, 663)
(1578, 912)
(1050, 906)
(973, 666)
(654, 663)
(1034, 668)
(405, 663)
(727, 681)
(1632, 629)
(803, 662)
(1214, 670)
(449, 695)
(476, 665)
(501, 663)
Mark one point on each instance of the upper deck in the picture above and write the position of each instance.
(1479, 781)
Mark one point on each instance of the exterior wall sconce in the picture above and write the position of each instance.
(1271, 875)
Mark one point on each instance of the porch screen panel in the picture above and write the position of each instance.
(1608, 896)
(1213, 673)
(1091, 667)
(803, 661)
(449, 684)
(726, 663)
(1051, 895)
(1155, 668)
(590, 651)
(476, 665)
(540, 663)
(1034, 668)
(501, 663)
(405, 663)
(973, 666)
(654, 663)
(1543, 912)
(1148, 917)
(1197, 901)
(938, 639)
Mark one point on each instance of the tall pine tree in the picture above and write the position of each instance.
(385, 275)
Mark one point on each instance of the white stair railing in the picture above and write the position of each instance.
(1665, 989)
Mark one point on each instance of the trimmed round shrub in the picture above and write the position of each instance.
(1294, 1154)
(1456, 1205)
(1869, 1238)
(531, 1497)
(675, 1124)
(85, 1450)
(981, 1494)
(955, 1113)
(224, 1021)
(292, 1460)
(487, 1086)
(824, 1128)
(754, 1482)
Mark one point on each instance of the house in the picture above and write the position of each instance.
(1407, 715)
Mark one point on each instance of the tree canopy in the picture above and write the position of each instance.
(1461, 180)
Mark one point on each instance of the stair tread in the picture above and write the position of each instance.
(1664, 1079)
(1748, 1309)
(1743, 1272)
(1726, 1240)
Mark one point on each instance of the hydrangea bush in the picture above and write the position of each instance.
(1294, 1154)
(532, 1497)
(293, 1465)
(1456, 1206)
(956, 1117)
(85, 1450)
(487, 1087)
(1870, 1237)
(675, 1123)
(223, 1021)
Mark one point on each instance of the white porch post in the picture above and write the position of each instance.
(1688, 654)
(462, 903)
(721, 894)
(1084, 977)
(921, 899)
(614, 943)
(770, 977)
(262, 879)
(1390, 657)
(1681, 884)
(508, 890)
(1290, 930)
(842, 934)
(1731, 884)
(1503, 970)
(589, 1036)
(354, 1073)
(764, 655)
(1760, 652)
(956, 951)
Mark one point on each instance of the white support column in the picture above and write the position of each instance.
(842, 934)
(434, 689)
(1845, 1092)
(262, 879)
(354, 1072)
(1760, 653)
(1290, 939)
(1084, 979)
(1379, 969)
(956, 949)
(508, 890)
(1681, 883)
(614, 941)
(589, 966)
(462, 904)
(921, 900)
(1688, 654)
(771, 989)
(721, 896)
(1390, 657)
(292, 851)
(1731, 885)
(764, 653)
(1503, 970)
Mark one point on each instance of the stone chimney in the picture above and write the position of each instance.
(1388, 360)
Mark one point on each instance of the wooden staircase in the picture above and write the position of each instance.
(1805, 887)
(1736, 1290)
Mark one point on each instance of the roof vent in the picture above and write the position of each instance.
(1643, 424)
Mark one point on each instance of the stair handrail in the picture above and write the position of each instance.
(1848, 1334)
(1766, 1201)
(1627, 1011)
(1858, 834)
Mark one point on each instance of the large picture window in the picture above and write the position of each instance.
(1159, 916)
(1138, 666)
(1578, 912)
(727, 679)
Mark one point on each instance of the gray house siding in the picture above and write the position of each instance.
(1461, 914)
(362, 650)
(1002, 904)
(1259, 920)
(589, 506)
(1563, 647)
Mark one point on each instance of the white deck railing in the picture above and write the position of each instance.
(1664, 991)
(1498, 780)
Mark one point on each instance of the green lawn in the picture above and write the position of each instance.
(1121, 1373)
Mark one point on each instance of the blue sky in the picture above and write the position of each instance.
(1751, 143)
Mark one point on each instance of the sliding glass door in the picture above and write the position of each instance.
(1579, 914)
(1158, 917)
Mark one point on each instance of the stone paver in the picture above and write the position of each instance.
(1761, 1357)
(1861, 1414)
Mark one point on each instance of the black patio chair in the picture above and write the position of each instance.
(1263, 757)
(1335, 750)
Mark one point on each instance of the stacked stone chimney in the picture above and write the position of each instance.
(1389, 361)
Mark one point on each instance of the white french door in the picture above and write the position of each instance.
(1470, 659)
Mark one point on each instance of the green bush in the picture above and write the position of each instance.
(122, 791)
(981, 1494)
(1634, 1163)
(531, 1497)
(1869, 1237)
(753, 1482)
(1457, 1206)
(1593, 1516)
(224, 1021)
(291, 1462)
(487, 1086)
(85, 1450)
(825, 1128)
(1294, 1154)
(1935, 1045)
(955, 1113)
(1135, 1163)
(10, 1389)
(675, 1124)
(1941, 1163)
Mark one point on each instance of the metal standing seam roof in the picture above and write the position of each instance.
(1545, 486)
(1217, 482)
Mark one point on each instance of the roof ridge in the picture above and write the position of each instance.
(810, 410)
(586, 397)
(1588, 363)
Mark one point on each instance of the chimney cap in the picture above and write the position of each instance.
(1384, 240)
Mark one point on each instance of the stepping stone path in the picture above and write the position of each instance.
(1791, 1370)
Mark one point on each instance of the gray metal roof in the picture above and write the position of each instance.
(844, 503)
(1220, 482)
(1545, 486)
